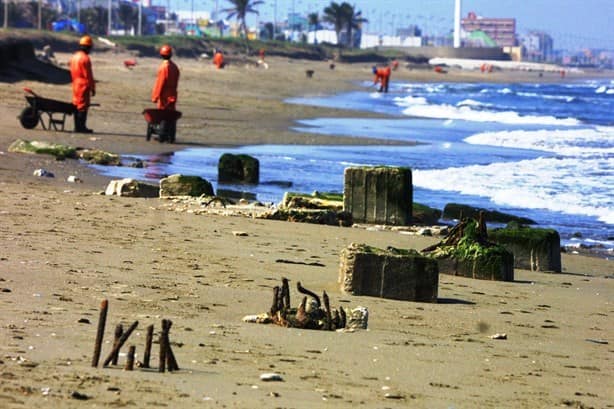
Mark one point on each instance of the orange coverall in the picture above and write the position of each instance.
(83, 84)
(382, 76)
(165, 89)
(218, 60)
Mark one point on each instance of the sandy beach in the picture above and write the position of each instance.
(66, 247)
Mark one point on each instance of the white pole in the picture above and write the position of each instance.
(109, 20)
(140, 31)
(457, 18)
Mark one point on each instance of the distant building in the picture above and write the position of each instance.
(501, 30)
(538, 46)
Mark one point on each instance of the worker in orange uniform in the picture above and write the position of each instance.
(164, 92)
(83, 84)
(382, 76)
(218, 59)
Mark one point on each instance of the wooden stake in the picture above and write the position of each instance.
(329, 320)
(130, 358)
(171, 362)
(102, 320)
(120, 343)
(148, 341)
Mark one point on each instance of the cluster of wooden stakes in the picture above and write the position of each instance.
(167, 357)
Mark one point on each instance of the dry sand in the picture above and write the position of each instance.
(65, 248)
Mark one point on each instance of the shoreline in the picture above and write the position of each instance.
(66, 248)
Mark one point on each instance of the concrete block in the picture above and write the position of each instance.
(378, 195)
(533, 248)
(391, 273)
(238, 169)
(181, 185)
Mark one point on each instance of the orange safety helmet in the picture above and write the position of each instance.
(166, 51)
(86, 41)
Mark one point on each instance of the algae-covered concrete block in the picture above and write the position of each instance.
(496, 266)
(238, 169)
(534, 249)
(391, 273)
(182, 185)
(379, 195)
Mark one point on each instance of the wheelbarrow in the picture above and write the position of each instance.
(38, 107)
(163, 123)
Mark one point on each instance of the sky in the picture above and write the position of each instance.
(574, 24)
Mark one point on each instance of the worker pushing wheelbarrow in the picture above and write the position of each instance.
(163, 120)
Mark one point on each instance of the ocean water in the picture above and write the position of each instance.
(543, 151)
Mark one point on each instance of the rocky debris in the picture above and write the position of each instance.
(182, 185)
(59, 151)
(388, 273)
(315, 216)
(380, 195)
(456, 211)
(466, 251)
(238, 169)
(271, 377)
(131, 188)
(317, 200)
(98, 157)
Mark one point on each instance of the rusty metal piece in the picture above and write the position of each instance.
(305, 291)
(336, 319)
(302, 319)
(102, 320)
(119, 330)
(285, 293)
(163, 340)
(120, 343)
(329, 321)
(148, 341)
(130, 358)
(171, 362)
(343, 318)
(275, 305)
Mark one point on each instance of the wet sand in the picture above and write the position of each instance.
(66, 248)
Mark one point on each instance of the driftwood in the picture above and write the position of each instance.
(104, 307)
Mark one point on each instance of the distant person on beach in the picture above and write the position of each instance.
(164, 92)
(218, 60)
(83, 84)
(382, 77)
(261, 54)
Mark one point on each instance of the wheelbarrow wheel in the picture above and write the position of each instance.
(29, 118)
(163, 131)
(149, 131)
(172, 131)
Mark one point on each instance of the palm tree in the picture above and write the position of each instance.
(313, 21)
(354, 21)
(240, 10)
(335, 14)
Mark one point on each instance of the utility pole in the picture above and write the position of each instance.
(109, 19)
(6, 13)
(457, 18)
(139, 28)
(40, 14)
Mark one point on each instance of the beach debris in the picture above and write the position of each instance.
(597, 341)
(238, 169)
(309, 73)
(378, 194)
(183, 185)
(79, 396)
(104, 307)
(240, 234)
(130, 63)
(313, 263)
(499, 336)
(167, 357)
(271, 377)
(313, 312)
(358, 318)
(393, 273)
(43, 173)
(73, 179)
(466, 251)
(131, 188)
